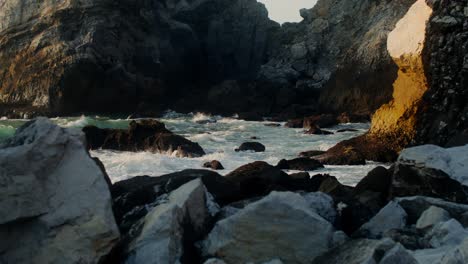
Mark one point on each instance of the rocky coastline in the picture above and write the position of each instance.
(415, 210)
(400, 64)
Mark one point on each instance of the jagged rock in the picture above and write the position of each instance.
(143, 135)
(432, 216)
(251, 146)
(168, 230)
(357, 251)
(239, 238)
(214, 261)
(392, 216)
(144, 53)
(295, 123)
(54, 201)
(214, 164)
(416, 205)
(132, 196)
(322, 204)
(398, 254)
(301, 164)
(432, 171)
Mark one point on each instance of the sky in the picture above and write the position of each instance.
(286, 10)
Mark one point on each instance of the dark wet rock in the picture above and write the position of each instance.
(317, 131)
(320, 121)
(410, 181)
(347, 130)
(250, 116)
(214, 165)
(251, 146)
(302, 164)
(377, 180)
(295, 123)
(254, 137)
(357, 150)
(331, 186)
(131, 196)
(273, 125)
(353, 118)
(142, 135)
(259, 178)
(410, 238)
(311, 153)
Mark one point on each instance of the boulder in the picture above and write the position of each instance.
(251, 146)
(377, 180)
(214, 165)
(432, 171)
(357, 251)
(132, 196)
(322, 204)
(416, 205)
(295, 123)
(432, 216)
(142, 135)
(297, 234)
(260, 178)
(320, 121)
(392, 216)
(170, 229)
(301, 164)
(54, 201)
(398, 254)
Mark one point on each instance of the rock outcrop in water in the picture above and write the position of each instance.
(142, 135)
(55, 204)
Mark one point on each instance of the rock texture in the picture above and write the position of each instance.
(106, 56)
(142, 135)
(240, 239)
(58, 208)
(170, 226)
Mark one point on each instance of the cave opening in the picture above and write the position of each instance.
(286, 11)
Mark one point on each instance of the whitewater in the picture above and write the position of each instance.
(218, 136)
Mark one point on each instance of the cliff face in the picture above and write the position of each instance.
(338, 52)
(443, 114)
(405, 45)
(429, 104)
(106, 56)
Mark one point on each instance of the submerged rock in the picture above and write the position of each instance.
(251, 146)
(143, 135)
(317, 131)
(297, 234)
(55, 203)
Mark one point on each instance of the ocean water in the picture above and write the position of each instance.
(218, 137)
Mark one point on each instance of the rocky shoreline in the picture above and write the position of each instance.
(417, 209)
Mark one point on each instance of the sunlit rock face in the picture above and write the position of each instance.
(405, 45)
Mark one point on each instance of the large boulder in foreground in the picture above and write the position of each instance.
(142, 135)
(432, 171)
(297, 234)
(170, 229)
(55, 204)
